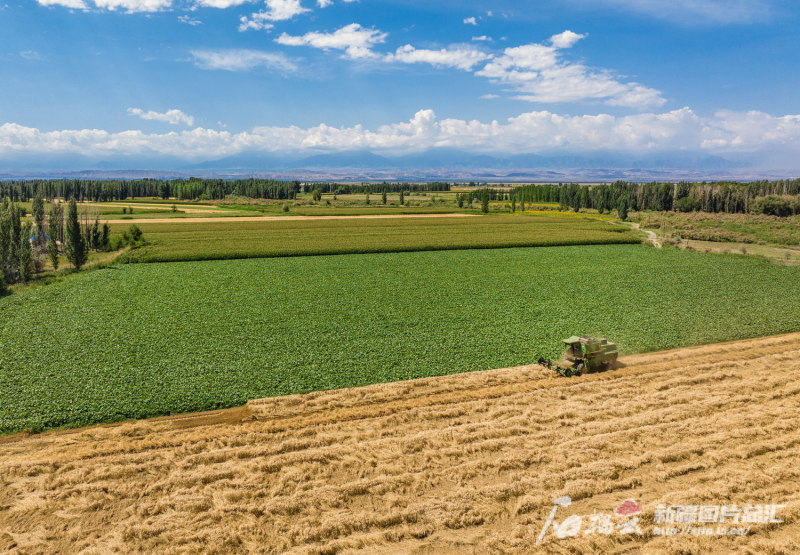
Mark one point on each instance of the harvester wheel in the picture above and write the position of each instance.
(579, 369)
(609, 365)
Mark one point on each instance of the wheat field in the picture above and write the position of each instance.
(467, 463)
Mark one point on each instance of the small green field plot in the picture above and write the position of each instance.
(726, 228)
(152, 339)
(227, 240)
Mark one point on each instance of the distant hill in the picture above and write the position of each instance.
(445, 158)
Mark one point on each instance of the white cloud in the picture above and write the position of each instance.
(461, 58)
(134, 6)
(74, 4)
(324, 3)
(489, 96)
(483, 38)
(129, 6)
(694, 11)
(538, 72)
(528, 132)
(31, 55)
(355, 40)
(188, 20)
(567, 39)
(175, 117)
(470, 21)
(277, 10)
(221, 4)
(242, 60)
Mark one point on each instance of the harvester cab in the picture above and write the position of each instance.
(583, 355)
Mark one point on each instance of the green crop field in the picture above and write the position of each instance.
(231, 239)
(151, 339)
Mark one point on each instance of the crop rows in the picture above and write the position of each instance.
(144, 340)
(232, 239)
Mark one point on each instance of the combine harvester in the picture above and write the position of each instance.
(584, 355)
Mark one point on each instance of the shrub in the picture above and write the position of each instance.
(772, 205)
(687, 204)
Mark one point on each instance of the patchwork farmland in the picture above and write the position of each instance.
(144, 340)
(353, 402)
(468, 463)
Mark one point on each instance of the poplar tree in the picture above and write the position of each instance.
(25, 254)
(383, 197)
(5, 239)
(402, 198)
(56, 221)
(52, 249)
(622, 208)
(75, 246)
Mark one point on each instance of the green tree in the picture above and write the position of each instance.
(105, 237)
(622, 208)
(402, 198)
(75, 246)
(383, 197)
(485, 203)
(316, 194)
(37, 209)
(5, 239)
(25, 254)
(687, 204)
(460, 200)
(772, 205)
(52, 250)
(366, 201)
(3, 288)
(55, 220)
(513, 205)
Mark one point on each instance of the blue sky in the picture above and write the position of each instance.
(209, 78)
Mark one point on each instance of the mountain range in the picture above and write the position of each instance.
(460, 160)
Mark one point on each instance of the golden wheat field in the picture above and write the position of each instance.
(466, 463)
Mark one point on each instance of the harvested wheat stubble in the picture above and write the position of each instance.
(465, 463)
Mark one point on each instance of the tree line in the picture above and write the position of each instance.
(726, 196)
(26, 247)
(375, 188)
(183, 189)
(193, 188)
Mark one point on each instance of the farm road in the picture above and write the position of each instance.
(650, 235)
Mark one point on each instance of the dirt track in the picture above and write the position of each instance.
(282, 218)
(461, 464)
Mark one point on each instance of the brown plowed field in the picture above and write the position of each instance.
(468, 463)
